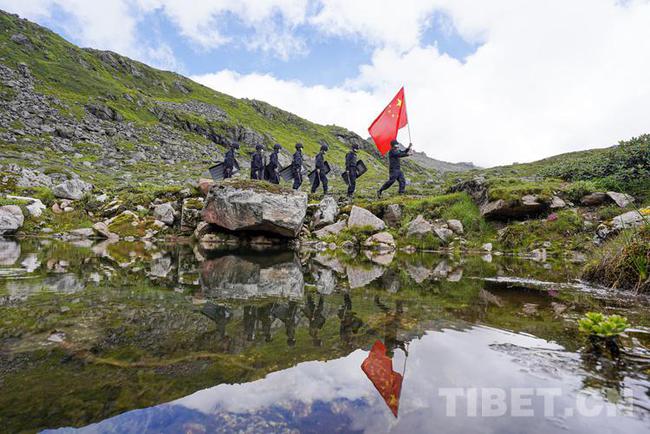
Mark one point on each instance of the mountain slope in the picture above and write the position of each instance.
(117, 122)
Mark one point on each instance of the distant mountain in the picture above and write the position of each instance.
(427, 162)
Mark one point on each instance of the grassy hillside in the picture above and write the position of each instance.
(156, 113)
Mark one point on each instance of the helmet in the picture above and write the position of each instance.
(299, 146)
(277, 146)
(234, 145)
(324, 147)
(259, 147)
(394, 143)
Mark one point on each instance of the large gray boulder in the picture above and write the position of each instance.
(630, 219)
(72, 189)
(528, 205)
(246, 206)
(362, 218)
(11, 219)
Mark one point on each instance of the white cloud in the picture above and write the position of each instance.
(550, 77)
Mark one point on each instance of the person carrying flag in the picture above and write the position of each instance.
(296, 166)
(229, 161)
(394, 167)
(257, 163)
(351, 169)
(320, 175)
(274, 163)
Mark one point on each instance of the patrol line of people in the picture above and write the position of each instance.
(271, 171)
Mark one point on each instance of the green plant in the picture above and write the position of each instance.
(603, 326)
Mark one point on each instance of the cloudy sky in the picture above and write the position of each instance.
(491, 82)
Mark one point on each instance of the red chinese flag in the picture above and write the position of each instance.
(384, 129)
(378, 367)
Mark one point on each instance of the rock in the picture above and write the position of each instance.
(631, 219)
(349, 248)
(393, 215)
(102, 111)
(35, 207)
(82, 232)
(11, 219)
(325, 281)
(443, 233)
(441, 270)
(528, 205)
(362, 218)
(101, 228)
(56, 337)
(419, 227)
(418, 273)
(331, 262)
(165, 213)
(191, 213)
(621, 199)
(456, 226)
(56, 209)
(205, 185)
(21, 39)
(476, 187)
(557, 203)
(487, 247)
(327, 212)
(252, 208)
(594, 199)
(456, 275)
(72, 189)
(382, 241)
(65, 132)
(332, 229)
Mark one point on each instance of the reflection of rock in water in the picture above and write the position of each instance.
(161, 267)
(67, 283)
(419, 273)
(330, 262)
(325, 280)
(361, 276)
(250, 275)
(391, 281)
(9, 252)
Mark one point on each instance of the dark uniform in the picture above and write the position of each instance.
(351, 169)
(272, 168)
(394, 168)
(229, 161)
(257, 164)
(296, 166)
(320, 175)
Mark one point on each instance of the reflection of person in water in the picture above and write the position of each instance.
(287, 313)
(264, 314)
(220, 314)
(315, 316)
(391, 326)
(350, 323)
(249, 322)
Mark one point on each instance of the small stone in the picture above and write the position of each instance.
(487, 247)
(393, 215)
(382, 241)
(165, 213)
(621, 199)
(332, 229)
(56, 337)
(456, 226)
(362, 218)
(419, 227)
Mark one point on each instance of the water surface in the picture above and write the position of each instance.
(136, 338)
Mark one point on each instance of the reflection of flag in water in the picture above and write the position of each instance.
(378, 367)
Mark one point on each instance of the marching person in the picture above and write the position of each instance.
(320, 175)
(257, 163)
(394, 169)
(351, 169)
(272, 168)
(296, 166)
(229, 161)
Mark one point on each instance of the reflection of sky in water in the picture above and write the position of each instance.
(337, 396)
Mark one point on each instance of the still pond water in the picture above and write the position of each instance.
(143, 338)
